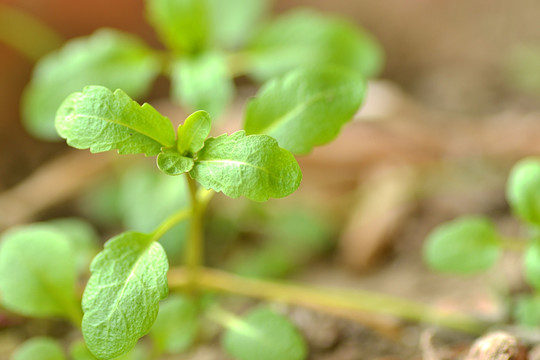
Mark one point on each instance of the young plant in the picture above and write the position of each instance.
(208, 43)
(472, 244)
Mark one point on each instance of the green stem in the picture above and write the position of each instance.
(514, 244)
(170, 222)
(326, 299)
(194, 257)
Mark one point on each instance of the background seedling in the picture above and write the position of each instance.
(472, 244)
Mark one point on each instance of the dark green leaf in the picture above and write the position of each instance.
(182, 25)
(108, 57)
(305, 108)
(121, 300)
(234, 21)
(38, 272)
(251, 166)
(172, 163)
(306, 38)
(466, 245)
(202, 82)
(41, 348)
(177, 324)
(523, 190)
(532, 264)
(102, 120)
(264, 335)
(193, 132)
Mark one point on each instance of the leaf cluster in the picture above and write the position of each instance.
(472, 244)
(208, 44)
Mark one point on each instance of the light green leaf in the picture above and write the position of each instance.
(42, 348)
(264, 335)
(177, 324)
(527, 310)
(532, 263)
(523, 190)
(102, 120)
(192, 134)
(234, 21)
(108, 57)
(182, 25)
(146, 197)
(305, 38)
(79, 351)
(202, 82)
(172, 163)
(466, 245)
(121, 300)
(38, 272)
(305, 108)
(251, 166)
(82, 237)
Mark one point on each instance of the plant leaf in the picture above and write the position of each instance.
(82, 237)
(121, 300)
(202, 81)
(264, 335)
(527, 310)
(101, 120)
(532, 264)
(108, 57)
(146, 197)
(182, 25)
(466, 245)
(177, 324)
(523, 190)
(251, 166)
(193, 132)
(172, 163)
(306, 38)
(305, 108)
(42, 348)
(234, 21)
(38, 272)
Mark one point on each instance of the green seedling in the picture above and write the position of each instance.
(130, 279)
(472, 244)
(208, 44)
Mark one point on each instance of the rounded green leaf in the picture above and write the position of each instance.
(305, 38)
(82, 237)
(251, 166)
(172, 163)
(527, 310)
(233, 21)
(264, 335)
(38, 272)
(100, 120)
(121, 299)
(202, 81)
(523, 190)
(532, 264)
(305, 108)
(108, 57)
(466, 245)
(193, 132)
(42, 348)
(182, 25)
(177, 324)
